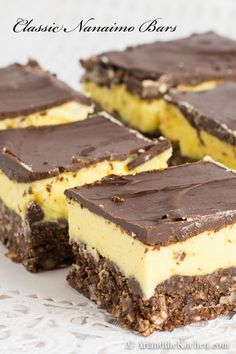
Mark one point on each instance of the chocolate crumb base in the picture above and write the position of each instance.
(181, 300)
(37, 245)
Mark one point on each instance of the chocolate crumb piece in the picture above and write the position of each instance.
(34, 213)
(49, 187)
(30, 190)
(156, 247)
(75, 159)
(117, 199)
(13, 257)
(179, 255)
(182, 257)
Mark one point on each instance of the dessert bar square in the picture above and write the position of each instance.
(38, 164)
(157, 249)
(31, 96)
(131, 82)
(204, 123)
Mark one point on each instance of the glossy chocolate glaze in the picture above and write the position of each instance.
(191, 60)
(25, 89)
(36, 153)
(164, 207)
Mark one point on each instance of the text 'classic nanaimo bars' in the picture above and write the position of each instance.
(132, 82)
(37, 164)
(157, 249)
(31, 96)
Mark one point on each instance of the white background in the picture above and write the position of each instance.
(40, 313)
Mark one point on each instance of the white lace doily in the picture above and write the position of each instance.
(40, 313)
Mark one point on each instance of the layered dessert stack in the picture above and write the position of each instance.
(54, 147)
(159, 251)
(153, 245)
(31, 96)
(133, 84)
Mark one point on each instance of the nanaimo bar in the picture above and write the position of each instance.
(157, 249)
(38, 164)
(30, 96)
(132, 82)
(203, 123)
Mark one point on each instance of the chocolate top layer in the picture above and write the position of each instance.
(36, 153)
(164, 207)
(191, 60)
(212, 110)
(25, 89)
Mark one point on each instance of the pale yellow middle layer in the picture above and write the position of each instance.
(65, 113)
(195, 144)
(49, 193)
(149, 266)
(142, 114)
(150, 115)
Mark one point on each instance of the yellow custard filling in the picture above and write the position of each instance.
(142, 114)
(66, 113)
(150, 115)
(49, 193)
(148, 265)
(195, 144)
